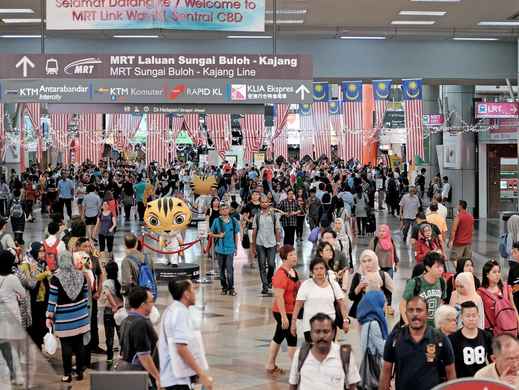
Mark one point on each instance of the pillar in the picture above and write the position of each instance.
(461, 166)
(431, 94)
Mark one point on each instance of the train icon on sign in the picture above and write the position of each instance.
(52, 67)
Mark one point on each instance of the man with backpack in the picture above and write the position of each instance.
(136, 269)
(53, 246)
(430, 286)
(323, 364)
(417, 354)
(17, 216)
(225, 230)
(266, 236)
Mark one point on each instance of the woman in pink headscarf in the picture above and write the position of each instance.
(384, 246)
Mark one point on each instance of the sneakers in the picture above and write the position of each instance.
(232, 292)
(264, 291)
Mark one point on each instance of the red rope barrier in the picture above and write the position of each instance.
(184, 246)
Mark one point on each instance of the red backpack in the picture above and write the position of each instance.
(51, 255)
(505, 317)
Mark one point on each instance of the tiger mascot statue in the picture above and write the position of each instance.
(168, 217)
(204, 185)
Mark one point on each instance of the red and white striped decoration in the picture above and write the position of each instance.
(352, 112)
(192, 125)
(124, 127)
(253, 130)
(90, 137)
(414, 125)
(177, 124)
(219, 129)
(306, 143)
(380, 109)
(279, 140)
(321, 117)
(59, 124)
(337, 123)
(33, 110)
(3, 135)
(157, 144)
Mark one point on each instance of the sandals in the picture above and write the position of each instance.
(275, 371)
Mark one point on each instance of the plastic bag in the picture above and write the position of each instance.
(120, 315)
(154, 315)
(50, 343)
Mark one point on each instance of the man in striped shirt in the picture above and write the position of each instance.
(291, 210)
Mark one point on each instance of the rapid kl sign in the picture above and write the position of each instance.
(214, 15)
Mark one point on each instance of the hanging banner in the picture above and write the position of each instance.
(213, 15)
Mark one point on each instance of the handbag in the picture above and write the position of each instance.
(339, 319)
(370, 369)
(245, 242)
(50, 344)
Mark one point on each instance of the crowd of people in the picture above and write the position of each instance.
(455, 320)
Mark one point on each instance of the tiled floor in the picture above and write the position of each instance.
(237, 330)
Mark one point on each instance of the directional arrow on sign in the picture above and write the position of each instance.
(24, 63)
(302, 90)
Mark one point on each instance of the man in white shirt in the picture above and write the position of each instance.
(323, 368)
(177, 327)
(446, 188)
(442, 210)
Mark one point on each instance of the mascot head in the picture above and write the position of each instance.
(204, 185)
(167, 215)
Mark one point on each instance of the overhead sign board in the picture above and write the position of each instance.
(156, 66)
(213, 15)
(158, 108)
(497, 110)
(156, 91)
(433, 120)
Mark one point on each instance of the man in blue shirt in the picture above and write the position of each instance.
(65, 194)
(224, 231)
(139, 189)
(178, 328)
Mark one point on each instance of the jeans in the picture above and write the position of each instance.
(68, 204)
(226, 265)
(127, 212)
(266, 259)
(408, 224)
(361, 225)
(69, 346)
(140, 210)
(108, 240)
(290, 232)
(110, 329)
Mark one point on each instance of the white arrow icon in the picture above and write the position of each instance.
(25, 61)
(302, 90)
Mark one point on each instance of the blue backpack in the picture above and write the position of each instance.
(503, 246)
(146, 277)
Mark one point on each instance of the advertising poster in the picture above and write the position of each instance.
(452, 151)
(214, 15)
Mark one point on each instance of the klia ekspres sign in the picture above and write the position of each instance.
(216, 15)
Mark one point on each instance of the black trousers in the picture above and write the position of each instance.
(290, 232)
(38, 328)
(178, 387)
(300, 226)
(141, 209)
(68, 204)
(69, 346)
(94, 334)
(106, 241)
(127, 212)
(110, 329)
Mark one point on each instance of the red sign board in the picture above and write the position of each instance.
(433, 120)
(497, 110)
(473, 384)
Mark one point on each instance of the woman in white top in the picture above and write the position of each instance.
(11, 291)
(466, 291)
(318, 295)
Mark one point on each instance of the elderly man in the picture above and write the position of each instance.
(506, 361)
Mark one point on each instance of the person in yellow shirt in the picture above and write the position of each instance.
(149, 192)
(437, 219)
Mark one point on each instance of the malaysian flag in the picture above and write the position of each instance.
(192, 126)
(124, 127)
(306, 145)
(321, 117)
(59, 122)
(279, 139)
(337, 124)
(177, 123)
(33, 110)
(219, 129)
(157, 142)
(3, 135)
(90, 137)
(253, 130)
(352, 108)
(412, 91)
(382, 92)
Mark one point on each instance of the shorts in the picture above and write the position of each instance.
(79, 202)
(282, 334)
(91, 221)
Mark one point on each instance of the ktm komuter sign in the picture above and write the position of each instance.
(136, 78)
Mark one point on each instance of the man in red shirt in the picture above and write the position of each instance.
(461, 234)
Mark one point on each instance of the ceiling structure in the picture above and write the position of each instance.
(317, 19)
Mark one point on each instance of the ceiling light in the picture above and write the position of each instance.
(249, 37)
(285, 21)
(423, 13)
(474, 39)
(9, 20)
(355, 37)
(287, 12)
(137, 36)
(20, 36)
(509, 23)
(16, 11)
(414, 22)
